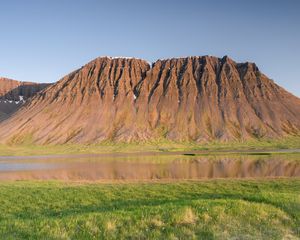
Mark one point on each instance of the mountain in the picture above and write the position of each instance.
(183, 99)
(13, 94)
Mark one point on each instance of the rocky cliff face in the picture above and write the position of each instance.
(13, 94)
(194, 98)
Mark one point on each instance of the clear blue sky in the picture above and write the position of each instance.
(43, 40)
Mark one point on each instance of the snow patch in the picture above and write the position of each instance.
(121, 57)
(20, 101)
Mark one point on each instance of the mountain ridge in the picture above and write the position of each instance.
(197, 98)
(14, 94)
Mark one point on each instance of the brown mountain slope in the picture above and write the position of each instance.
(193, 98)
(13, 94)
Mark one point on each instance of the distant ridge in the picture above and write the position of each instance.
(13, 94)
(199, 98)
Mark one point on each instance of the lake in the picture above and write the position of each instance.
(151, 166)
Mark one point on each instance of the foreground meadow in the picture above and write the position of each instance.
(215, 209)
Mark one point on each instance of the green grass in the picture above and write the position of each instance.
(159, 146)
(217, 209)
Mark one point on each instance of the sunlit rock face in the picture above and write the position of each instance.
(183, 99)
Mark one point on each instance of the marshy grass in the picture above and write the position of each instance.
(163, 145)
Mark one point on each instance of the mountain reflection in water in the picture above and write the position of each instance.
(150, 167)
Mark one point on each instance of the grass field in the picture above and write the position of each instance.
(159, 146)
(216, 209)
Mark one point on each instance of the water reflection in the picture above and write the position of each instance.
(150, 167)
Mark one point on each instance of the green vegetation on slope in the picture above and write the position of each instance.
(218, 209)
(163, 145)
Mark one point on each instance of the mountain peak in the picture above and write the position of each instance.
(197, 98)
